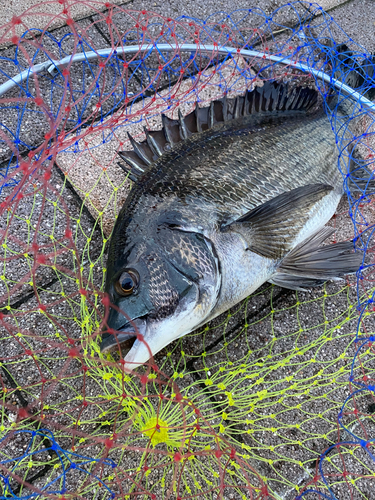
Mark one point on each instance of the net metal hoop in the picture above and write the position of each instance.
(263, 471)
(52, 66)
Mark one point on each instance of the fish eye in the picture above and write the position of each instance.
(127, 282)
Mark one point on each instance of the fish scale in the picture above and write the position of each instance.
(224, 199)
(236, 178)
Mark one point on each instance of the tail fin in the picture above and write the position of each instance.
(353, 69)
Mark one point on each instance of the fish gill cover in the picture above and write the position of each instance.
(274, 399)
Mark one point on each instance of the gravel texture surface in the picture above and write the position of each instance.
(297, 347)
(362, 31)
(62, 210)
(33, 17)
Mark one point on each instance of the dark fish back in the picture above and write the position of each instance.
(271, 142)
(246, 160)
(244, 150)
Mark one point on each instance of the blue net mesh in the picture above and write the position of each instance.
(41, 443)
(64, 94)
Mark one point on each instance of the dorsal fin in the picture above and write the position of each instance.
(272, 97)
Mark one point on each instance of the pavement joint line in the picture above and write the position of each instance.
(24, 403)
(31, 295)
(330, 9)
(190, 364)
(39, 474)
(100, 31)
(12, 383)
(25, 298)
(5, 163)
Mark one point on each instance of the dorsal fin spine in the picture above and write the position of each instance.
(271, 97)
(237, 108)
(199, 125)
(211, 115)
(153, 145)
(127, 157)
(171, 130)
(184, 132)
(128, 171)
(139, 148)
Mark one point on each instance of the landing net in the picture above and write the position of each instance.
(274, 399)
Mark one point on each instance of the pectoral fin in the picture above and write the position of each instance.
(270, 229)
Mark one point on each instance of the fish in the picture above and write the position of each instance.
(229, 197)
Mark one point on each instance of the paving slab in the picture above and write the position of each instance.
(356, 19)
(35, 247)
(37, 15)
(290, 345)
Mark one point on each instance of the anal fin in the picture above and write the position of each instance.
(295, 282)
(309, 264)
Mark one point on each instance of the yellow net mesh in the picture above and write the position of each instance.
(273, 399)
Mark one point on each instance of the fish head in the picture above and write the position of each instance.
(162, 289)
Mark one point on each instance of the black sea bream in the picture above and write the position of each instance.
(225, 199)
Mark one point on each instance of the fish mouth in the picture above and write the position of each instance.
(118, 342)
(123, 339)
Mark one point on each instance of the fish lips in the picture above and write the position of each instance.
(124, 338)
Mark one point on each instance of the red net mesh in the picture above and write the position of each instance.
(273, 399)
